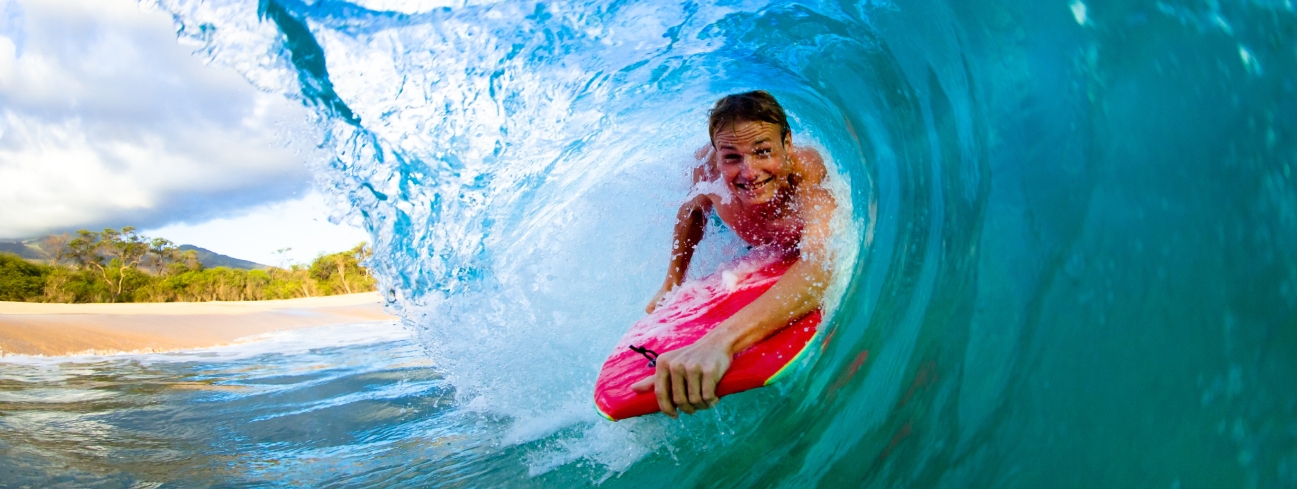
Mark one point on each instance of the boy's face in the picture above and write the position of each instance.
(753, 160)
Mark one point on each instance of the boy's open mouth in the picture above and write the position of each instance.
(754, 186)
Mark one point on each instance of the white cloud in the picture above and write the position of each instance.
(105, 120)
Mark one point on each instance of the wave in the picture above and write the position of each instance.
(1064, 255)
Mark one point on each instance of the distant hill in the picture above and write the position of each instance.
(212, 259)
(31, 249)
(28, 249)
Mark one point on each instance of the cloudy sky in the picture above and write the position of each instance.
(106, 121)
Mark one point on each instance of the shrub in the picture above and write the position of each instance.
(21, 280)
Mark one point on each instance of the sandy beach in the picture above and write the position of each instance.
(28, 328)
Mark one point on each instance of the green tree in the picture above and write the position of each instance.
(70, 285)
(116, 255)
(162, 253)
(55, 248)
(125, 251)
(341, 273)
(21, 280)
(121, 265)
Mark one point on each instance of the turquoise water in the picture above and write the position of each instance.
(1066, 257)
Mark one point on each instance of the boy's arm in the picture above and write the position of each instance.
(690, 223)
(686, 378)
(801, 289)
(798, 292)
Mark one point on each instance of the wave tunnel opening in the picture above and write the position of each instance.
(1064, 249)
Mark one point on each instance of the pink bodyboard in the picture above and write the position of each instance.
(690, 312)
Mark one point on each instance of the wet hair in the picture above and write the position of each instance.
(754, 106)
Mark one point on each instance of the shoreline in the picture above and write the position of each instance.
(33, 328)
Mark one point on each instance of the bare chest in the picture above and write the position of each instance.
(780, 226)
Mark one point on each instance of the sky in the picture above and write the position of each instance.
(107, 121)
(300, 224)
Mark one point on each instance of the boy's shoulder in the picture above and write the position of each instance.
(808, 165)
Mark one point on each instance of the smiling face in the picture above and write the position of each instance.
(753, 160)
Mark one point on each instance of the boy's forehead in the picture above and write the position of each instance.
(745, 132)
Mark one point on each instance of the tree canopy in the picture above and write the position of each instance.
(120, 265)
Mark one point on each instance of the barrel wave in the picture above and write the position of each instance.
(1065, 255)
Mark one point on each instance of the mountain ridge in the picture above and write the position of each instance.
(212, 259)
(30, 249)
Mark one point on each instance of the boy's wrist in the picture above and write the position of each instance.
(674, 279)
(721, 337)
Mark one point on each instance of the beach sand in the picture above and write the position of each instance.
(28, 328)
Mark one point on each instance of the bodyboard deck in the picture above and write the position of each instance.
(687, 314)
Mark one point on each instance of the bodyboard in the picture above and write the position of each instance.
(688, 313)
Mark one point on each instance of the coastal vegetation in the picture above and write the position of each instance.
(120, 265)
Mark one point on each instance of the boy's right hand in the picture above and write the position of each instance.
(657, 300)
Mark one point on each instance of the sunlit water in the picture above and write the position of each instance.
(278, 408)
(1065, 255)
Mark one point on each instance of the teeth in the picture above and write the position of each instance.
(753, 185)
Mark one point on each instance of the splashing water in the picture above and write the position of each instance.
(1065, 255)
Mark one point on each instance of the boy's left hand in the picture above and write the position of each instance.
(686, 378)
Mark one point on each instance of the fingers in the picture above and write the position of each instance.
(709, 389)
(657, 300)
(644, 385)
(662, 386)
(694, 389)
(682, 383)
(678, 389)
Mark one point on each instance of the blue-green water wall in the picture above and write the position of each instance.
(1076, 223)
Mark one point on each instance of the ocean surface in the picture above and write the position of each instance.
(1066, 254)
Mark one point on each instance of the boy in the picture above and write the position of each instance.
(771, 194)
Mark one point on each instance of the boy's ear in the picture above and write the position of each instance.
(788, 140)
